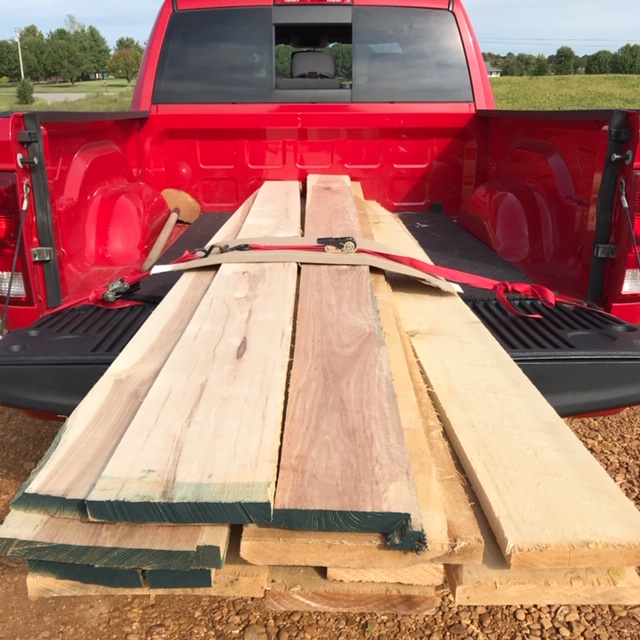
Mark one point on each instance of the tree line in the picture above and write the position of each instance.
(70, 53)
(565, 61)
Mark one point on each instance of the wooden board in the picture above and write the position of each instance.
(344, 463)
(104, 577)
(204, 445)
(548, 501)
(66, 474)
(125, 546)
(421, 575)
(307, 589)
(237, 579)
(445, 499)
(494, 583)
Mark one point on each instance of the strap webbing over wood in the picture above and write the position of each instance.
(365, 253)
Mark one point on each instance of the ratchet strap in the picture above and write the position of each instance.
(358, 252)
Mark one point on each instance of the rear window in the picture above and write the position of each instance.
(408, 55)
(221, 55)
(380, 54)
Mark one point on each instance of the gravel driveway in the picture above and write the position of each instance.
(59, 97)
(613, 440)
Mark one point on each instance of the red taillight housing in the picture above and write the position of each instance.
(631, 280)
(9, 246)
(312, 1)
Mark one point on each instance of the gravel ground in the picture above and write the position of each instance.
(60, 97)
(614, 440)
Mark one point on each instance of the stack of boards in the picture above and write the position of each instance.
(300, 433)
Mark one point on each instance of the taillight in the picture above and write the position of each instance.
(312, 1)
(629, 194)
(9, 225)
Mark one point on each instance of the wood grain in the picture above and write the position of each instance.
(307, 589)
(203, 446)
(237, 579)
(124, 546)
(548, 501)
(67, 473)
(344, 463)
(428, 574)
(494, 583)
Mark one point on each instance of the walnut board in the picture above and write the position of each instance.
(548, 501)
(67, 473)
(203, 447)
(344, 463)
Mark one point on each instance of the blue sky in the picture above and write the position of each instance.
(528, 26)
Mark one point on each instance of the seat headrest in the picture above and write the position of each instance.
(312, 64)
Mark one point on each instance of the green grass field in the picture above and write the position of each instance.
(115, 97)
(567, 92)
(538, 93)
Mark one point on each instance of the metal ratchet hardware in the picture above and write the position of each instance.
(115, 289)
(346, 244)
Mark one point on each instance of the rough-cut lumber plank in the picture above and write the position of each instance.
(421, 575)
(450, 524)
(479, 585)
(125, 546)
(341, 404)
(237, 579)
(206, 450)
(494, 583)
(195, 579)
(306, 589)
(548, 501)
(101, 576)
(76, 458)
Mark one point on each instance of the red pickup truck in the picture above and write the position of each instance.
(235, 92)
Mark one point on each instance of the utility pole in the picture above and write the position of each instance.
(20, 53)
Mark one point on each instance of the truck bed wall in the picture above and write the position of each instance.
(525, 183)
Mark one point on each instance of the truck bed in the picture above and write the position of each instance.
(581, 360)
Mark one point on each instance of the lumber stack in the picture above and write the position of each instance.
(330, 438)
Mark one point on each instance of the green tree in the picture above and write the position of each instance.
(342, 54)
(527, 63)
(33, 46)
(24, 92)
(97, 51)
(511, 66)
(9, 63)
(599, 63)
(563, 62)
(125, 63)
(129, 43)
(64, 57)
(283, 60)
(541, 66)
(626, 59)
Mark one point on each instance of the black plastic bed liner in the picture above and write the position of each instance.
(581, 360)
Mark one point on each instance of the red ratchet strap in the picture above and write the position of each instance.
(348, 245)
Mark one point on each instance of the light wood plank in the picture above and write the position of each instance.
(494, 583)
(307, 589)
(125, 546)
(237, 579)
(420, 575)
(445, 503)
(67, 473)
(549, 502)
(206, 449)
(342, 405)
